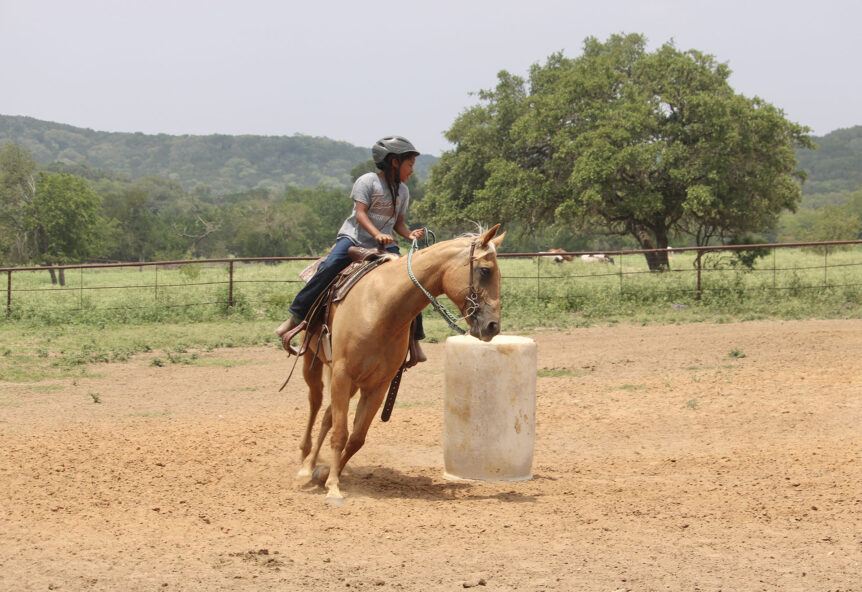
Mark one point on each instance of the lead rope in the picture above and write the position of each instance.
(435, 304)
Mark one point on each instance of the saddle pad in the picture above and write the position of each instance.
(307, 273)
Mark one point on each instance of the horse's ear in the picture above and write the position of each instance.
(498, 240)
(490, 234)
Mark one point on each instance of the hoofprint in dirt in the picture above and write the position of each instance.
(695, 457)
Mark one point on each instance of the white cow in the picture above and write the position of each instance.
(598, 258)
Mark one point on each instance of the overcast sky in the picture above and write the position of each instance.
(355, 71)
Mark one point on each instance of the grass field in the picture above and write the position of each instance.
(104, 315)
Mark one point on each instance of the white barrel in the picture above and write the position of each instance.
(489, 423)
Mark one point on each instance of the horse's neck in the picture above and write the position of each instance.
(404, 299)
(430, 265)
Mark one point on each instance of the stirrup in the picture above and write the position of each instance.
(285, 339)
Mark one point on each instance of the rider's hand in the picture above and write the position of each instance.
(383, 239)
(417, 234)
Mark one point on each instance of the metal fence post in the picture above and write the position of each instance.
(9, 294)
(825, 265)
(699, 253)
(621, 273)
(230, 284)
(538, 294)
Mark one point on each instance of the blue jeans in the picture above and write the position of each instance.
(337, 260)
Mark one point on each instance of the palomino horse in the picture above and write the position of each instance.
(370, 331)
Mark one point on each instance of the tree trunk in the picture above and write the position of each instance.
(62, 275)
(53, 276)
(657, 261)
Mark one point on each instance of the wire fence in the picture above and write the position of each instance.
(704, 261)
(269, 283)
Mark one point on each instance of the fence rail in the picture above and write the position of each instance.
(232, 281)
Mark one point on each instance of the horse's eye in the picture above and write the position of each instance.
(484, 272)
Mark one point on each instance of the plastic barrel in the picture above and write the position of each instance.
(489, 423)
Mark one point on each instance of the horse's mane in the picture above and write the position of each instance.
(480, 230)
(472, 235)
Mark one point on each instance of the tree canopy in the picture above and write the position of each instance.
(623, 140)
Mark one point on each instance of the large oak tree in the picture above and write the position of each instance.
(624, 141)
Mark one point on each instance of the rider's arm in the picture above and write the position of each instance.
(369, 227)
(402, 229)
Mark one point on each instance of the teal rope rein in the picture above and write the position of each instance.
(435, 304)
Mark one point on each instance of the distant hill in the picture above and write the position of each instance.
(227, 164)
(234, 164)
(836, 165)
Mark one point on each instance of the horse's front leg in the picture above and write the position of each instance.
(369, 402)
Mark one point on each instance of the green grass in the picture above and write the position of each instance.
(631, 387)
(792, 284)
(559, 372)
(786, 284)
(74, 349)
(175, 315)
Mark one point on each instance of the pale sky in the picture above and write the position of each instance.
(356, 71)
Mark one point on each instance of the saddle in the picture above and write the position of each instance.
(320, 314)
(319, 317)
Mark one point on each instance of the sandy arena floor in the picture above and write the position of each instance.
(661, 463)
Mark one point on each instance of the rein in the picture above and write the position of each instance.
(472, 298)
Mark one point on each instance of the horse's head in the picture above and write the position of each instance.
(473, 284)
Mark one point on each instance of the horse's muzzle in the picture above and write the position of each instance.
(485, 326)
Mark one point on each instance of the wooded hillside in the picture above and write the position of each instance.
(836, 165)
(225, 164)
(169, 197)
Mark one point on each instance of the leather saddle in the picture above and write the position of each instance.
(319, 317)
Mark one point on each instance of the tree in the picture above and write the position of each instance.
(136, 224)
(51, 218)
(630, 142)
(65, 219)
(17, 192)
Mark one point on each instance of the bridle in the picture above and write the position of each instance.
(471, 302)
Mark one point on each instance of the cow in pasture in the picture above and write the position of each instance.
(597, 258)
(561, 257)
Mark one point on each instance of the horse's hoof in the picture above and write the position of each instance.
(335, 501)
(303, 475)
(320, 474)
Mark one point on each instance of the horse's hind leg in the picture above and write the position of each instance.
(313, 374)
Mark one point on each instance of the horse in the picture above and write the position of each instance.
(370, 330)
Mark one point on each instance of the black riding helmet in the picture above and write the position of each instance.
(397, 145)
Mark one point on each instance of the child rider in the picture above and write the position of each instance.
(380, 202)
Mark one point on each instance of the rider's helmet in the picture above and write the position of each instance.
(396, 145)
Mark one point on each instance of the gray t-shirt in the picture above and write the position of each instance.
(373, 192)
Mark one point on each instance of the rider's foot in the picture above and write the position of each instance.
(286, 326)
(420, 355)
(287, 331)
(416, 355)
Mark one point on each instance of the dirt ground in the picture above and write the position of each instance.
(687, 457)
